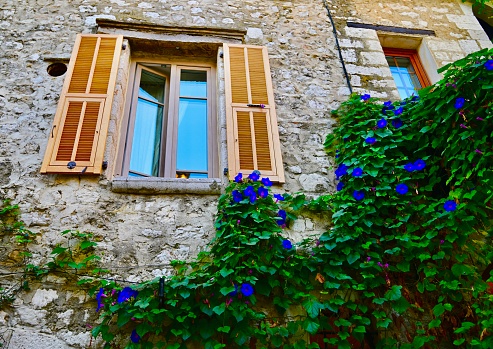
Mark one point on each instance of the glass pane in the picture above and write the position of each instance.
(152, 86)
(192, 135)
(404, 76)
(146, 143)
(193, 83)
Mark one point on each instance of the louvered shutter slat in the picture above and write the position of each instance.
(81, 121)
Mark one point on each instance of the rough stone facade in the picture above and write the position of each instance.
(151, 230)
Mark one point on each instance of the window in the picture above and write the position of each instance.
(407, 71)
(171, 130)
(168, 134)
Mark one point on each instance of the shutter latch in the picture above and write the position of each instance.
(71, 165)
(256, 105)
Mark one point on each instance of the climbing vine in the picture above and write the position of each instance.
(405, 262)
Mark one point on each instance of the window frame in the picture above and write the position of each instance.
(413, 57)
(170, 124)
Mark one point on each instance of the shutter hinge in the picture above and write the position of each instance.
(225, 171)
(105, 165)
(221, 55)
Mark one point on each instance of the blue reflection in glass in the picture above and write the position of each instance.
(192, 136)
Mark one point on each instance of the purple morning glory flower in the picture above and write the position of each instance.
(489, 64)
(262, 192)
(99, 298)
(397, 123)
(370, 140)
(239, 178)
(415, 98)
(281, 222)
(134, 337)
(358, 195)
(237, 197)
(459, 102)
(341, 170)
(478, 151)
(357, 172)
(398, 111)
(282, 214)
(409, 167)
(401, 189)
(365, 97)
(287, 244)
(381, 123)
(340, 185)
(246, 289)
(126, 294)
(249, 191)
(254, 176)
(388, 105)
(449, 205)
(419, 165)
(278, 197)
(266, 182)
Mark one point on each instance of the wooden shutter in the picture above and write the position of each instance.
(253, 137)
(78, 136)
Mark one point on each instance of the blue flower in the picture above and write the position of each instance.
(134, 337)
(401, 189)
(409, 167)
(281, 222)
(278, 197)
(388, 105)
(459, 102)
(287, 244)
(415, 99)
(246, 289)
(397, 123)
(381, 123)
(249, 191)
(254, 176)
(398, 111)
(266, 182)
(282, 214)
(419, 165)
(126, 294)
(358, 195)
(449, 205)
(341, 170)
(365, 97)
(239, 178)
(370, 140)
(99, 298)
(262, 192)
(237, 197)
(337, 154)
(489, 64)
(357, 172)
(340, 185)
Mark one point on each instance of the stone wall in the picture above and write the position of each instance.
(142, 230)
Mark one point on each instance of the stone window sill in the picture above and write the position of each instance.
(157, 185)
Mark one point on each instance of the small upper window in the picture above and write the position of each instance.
(170, 132)
(407, 71)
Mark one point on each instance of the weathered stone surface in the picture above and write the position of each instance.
(140, 234)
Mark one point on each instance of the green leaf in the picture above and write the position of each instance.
(310, 326)
(459, 341)
(225, 272)
(394, 293)
(224, 329)
(353, 257)
(219, 309)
